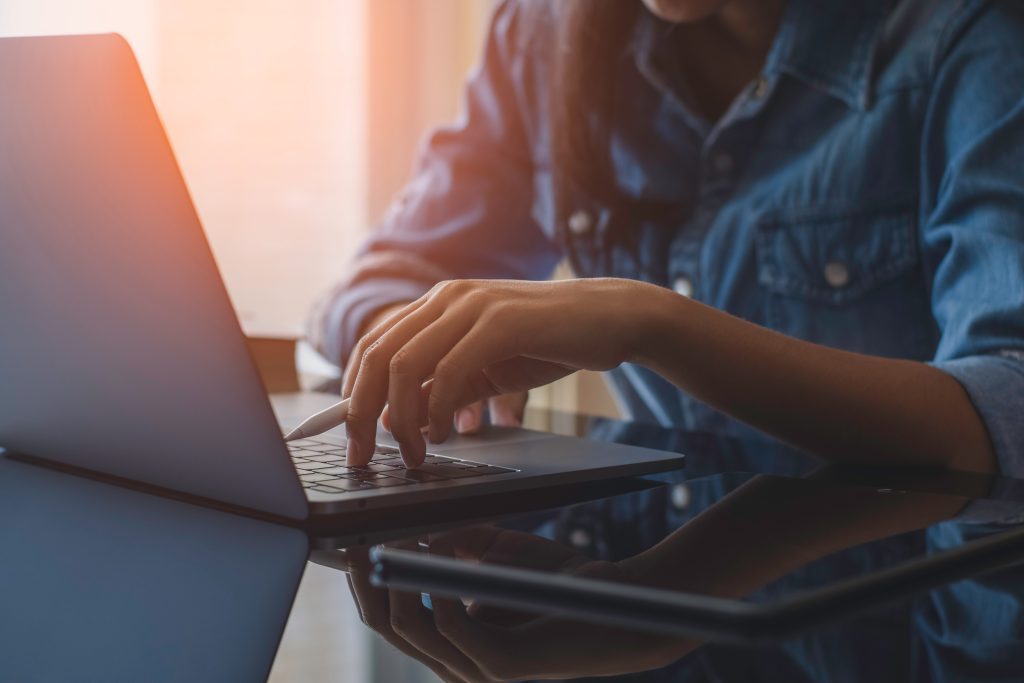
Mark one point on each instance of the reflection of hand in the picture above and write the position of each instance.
(477, 643)
(469, 340)
(774, 525)
(374, 609)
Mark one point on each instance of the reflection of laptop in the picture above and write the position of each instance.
(119, 350)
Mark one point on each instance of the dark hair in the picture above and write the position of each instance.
(590, 37)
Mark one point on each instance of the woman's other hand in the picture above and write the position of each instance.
(506, 410)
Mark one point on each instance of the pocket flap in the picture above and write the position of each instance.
(834, 258)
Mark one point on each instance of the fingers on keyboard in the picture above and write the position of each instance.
(321, 467)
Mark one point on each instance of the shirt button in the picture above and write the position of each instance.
(684, 286)
(680, 496)
(760, 88)
(837, 274)
(722, 162)
(579, 222)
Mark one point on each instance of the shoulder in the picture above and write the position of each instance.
(977, 73)
(983, 26)
(919, 39)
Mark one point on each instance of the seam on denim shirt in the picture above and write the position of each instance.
(899, 89)
(959, 23)
(838, 210)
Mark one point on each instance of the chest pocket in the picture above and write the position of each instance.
(846, 279)
(834, 259)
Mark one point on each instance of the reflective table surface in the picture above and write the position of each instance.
(104, 583)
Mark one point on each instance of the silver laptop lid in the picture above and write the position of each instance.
(119, 349)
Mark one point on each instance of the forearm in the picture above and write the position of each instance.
(774, 526)
(844, 406)
(784, 524)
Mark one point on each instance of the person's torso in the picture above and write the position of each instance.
(799, 210)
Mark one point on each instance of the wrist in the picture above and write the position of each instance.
(657, 314)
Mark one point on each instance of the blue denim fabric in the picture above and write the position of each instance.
(866, 193)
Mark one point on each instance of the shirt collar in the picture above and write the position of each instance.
(828, 45)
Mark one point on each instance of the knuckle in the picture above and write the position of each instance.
(362, 343)
(401, 365)
(477, 296)
(440, 397)
(442, 287)
(371, 355)
(361, 424)
(445, 371)
(485, 298)
(353, 365)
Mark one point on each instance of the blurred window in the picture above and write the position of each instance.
(269, 103)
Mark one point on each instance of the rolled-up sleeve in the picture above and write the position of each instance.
(467, 211)
(995, 386)
(973, 220)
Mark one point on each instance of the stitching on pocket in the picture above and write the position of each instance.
(789, 266)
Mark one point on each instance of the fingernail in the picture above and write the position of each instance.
(352, 453)
(463, 421)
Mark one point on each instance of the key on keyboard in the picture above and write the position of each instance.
(321, 467)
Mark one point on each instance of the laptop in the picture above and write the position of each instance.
(120, 353)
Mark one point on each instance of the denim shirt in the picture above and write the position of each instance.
(866, 192)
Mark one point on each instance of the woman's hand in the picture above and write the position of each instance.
(467, 340)
(506, 410)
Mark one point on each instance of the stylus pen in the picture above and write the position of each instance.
(328, 418)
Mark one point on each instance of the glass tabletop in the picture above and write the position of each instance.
(100, 582)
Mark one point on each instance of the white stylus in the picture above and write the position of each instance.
(328, 418)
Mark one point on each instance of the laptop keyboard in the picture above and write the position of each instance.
(321, 467)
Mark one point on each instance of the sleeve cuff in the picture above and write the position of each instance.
(345, 313)
(995, 385)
